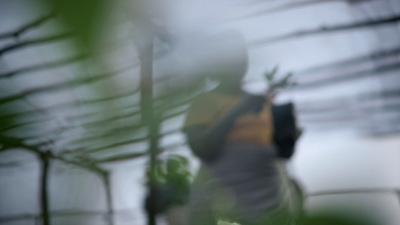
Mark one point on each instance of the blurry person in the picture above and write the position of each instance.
(233, 135)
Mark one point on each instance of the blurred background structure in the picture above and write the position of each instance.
(80, 115)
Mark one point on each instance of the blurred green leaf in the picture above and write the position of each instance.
(83, 17)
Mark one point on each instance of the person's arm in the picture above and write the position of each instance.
(206, 141)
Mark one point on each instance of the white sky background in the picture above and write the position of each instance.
(326, 159)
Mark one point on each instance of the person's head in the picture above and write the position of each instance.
(226, 59)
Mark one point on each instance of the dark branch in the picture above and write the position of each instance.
(117, 131)
(122, 157)
(28, 26)
(129, 156)
(55, 213)
(346, 77)
(169, 109)
(322, 30)
(349, 62)
(44, 66)
(13, 142)
(352, 191)
(281, 8)
(340, 103)
(68, 104)
(64, 84)
(35, 42)
(85, 150)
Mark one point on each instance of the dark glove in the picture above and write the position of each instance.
(253, 103)
(286, 132)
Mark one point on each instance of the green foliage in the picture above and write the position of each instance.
(81, 16)
(172, 168)
(338, 219)
(275, 83)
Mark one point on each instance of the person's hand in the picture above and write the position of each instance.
(270, 96)
(254, 102)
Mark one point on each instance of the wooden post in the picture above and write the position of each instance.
(107, 186)
(148, 116)
(44, 198)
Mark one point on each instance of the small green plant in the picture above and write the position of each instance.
(274, 83)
